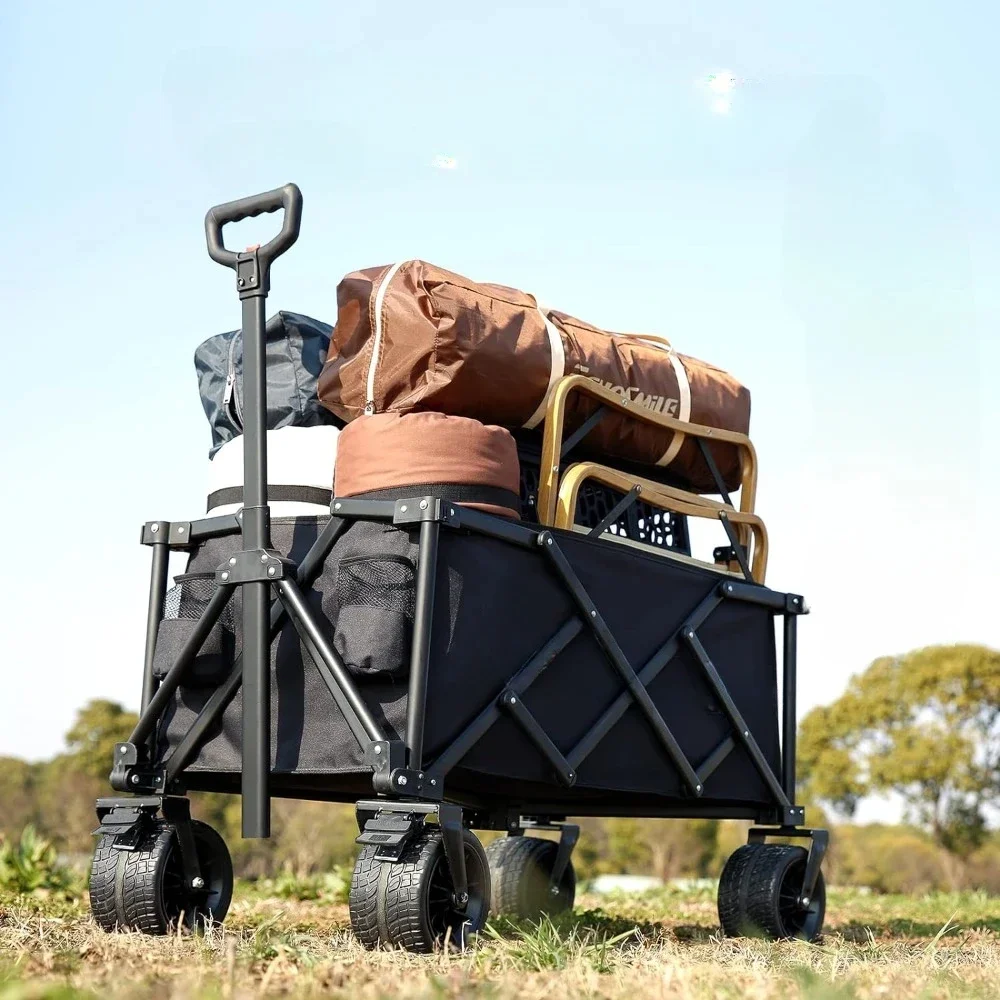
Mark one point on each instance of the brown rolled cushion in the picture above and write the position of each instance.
(387, 455)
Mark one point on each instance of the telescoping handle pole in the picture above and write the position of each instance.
(253, 281)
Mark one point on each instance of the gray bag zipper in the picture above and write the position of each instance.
(231, 398)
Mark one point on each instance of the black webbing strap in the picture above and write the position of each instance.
(714, 471)
(301, 494)
(494, 496)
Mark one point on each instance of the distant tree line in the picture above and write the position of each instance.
(925, 726)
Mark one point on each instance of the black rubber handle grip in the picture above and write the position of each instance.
(288, 197)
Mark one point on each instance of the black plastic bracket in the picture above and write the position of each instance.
(723, 555)
(795, 604)
(155, 533)
(793, 816)
(389, 832)
(385, 758)
(404, 781)
(180, 533)
(130, 771)
(819, 842)
(415, 510)
(255, 566)
(184, 534)
(126, 819)
(251, 278)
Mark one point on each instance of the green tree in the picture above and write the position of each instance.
(18, 805)
(926, 726)
(91, 741)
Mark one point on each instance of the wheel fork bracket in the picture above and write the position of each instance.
(453, 833)
(569, 834)
(819, 841)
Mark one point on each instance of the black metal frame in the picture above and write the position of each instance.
(410, 790)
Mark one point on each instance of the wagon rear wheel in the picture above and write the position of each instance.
(521, 873)
(760, 894)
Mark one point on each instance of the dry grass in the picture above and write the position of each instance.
(665, 944)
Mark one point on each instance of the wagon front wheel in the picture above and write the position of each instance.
(410, 903)
(144, 889)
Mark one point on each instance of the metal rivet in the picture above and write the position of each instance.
(729, 588)
(242, 282)
(180, 531)
(805, 900)
(433, 781)
(336, 506)
(690, 635)
(402, 509)
(401, 780)
(421, 776)
(423, 505)
(225, 576)
(263, 557)
(232, 561)
(548, 541)
(593, 614)
(154, 528)
(746, 732)
(197, 882)
(135, 779)
(271, 571)
(569, 774)
(123, 750)
(378, 749)
(513, 700)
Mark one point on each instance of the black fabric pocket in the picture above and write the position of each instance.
(185, 603)
(375, 599)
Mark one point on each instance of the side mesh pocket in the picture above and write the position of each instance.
(185, 603)
(375, 598)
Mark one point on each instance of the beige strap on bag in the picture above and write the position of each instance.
(557, 369)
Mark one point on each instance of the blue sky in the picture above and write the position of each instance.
(830, 239)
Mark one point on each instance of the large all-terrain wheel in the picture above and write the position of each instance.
(145, 890)
(759, 894)
(520, 874)
(409, 903)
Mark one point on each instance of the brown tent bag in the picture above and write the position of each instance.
(415, 337)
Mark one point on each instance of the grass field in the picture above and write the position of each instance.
(292, 938)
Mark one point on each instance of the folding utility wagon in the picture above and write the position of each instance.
(449, 669)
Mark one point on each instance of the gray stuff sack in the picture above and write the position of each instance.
(295, 348)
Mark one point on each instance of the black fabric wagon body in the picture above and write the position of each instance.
(496, 605)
